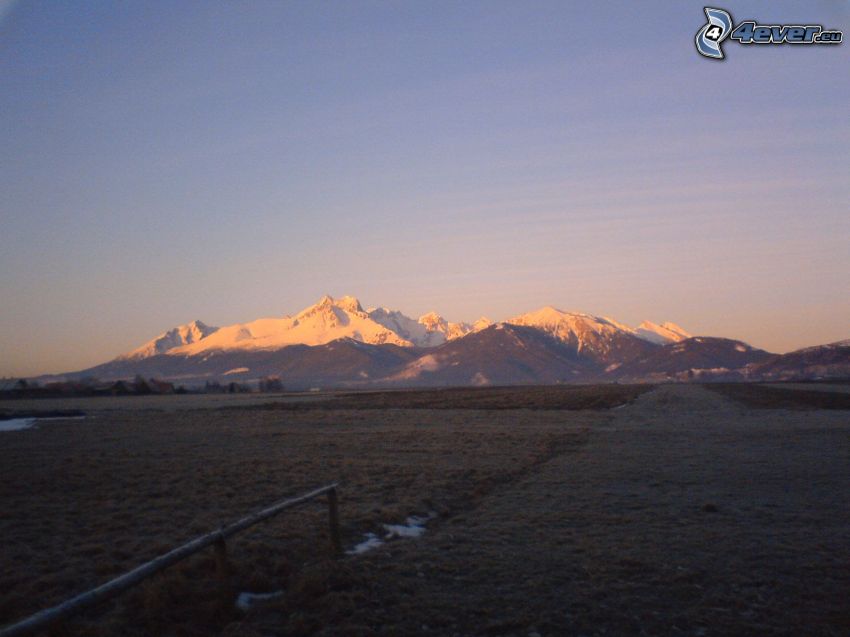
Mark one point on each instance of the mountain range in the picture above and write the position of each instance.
(336, 343)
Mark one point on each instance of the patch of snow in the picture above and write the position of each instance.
(427, 363)
(740, 348)
(613, 366)
(480, 380)
(246, 600)
(236, 370)
(372, 541)
(16, 424)
(414, 526)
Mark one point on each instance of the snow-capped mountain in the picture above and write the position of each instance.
(661, 334)
(177, 337)
(331, 319)
(499, 354)
(328, 320)
(335, 342)
(429, 331)
(586, 330)
(593, 337)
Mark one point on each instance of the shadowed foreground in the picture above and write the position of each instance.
(683, 512)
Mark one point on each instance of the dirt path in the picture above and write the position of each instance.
(683, 514)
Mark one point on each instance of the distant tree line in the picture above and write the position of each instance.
(267, 384)
(139, 386)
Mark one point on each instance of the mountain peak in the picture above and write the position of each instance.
(675, 328)
(661, 334)
(348, 303)
(432, 321)
(175, 337)
(327, 302)
(332, 318)
(481, 323)
(556, 320)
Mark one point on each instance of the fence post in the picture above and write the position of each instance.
(222, 569)
(333, 519)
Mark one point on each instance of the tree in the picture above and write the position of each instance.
(271, 384)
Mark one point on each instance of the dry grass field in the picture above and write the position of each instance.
(787, 395)
(560, 511)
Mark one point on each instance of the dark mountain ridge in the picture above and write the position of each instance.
(502, 354)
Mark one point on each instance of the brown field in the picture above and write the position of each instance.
(571, 397)
(680, 511)
(842, 387)
(781, 396)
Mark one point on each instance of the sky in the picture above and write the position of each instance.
(162, 162)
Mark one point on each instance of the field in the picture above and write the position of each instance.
(611, 510)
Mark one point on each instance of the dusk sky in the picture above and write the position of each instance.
(225, 161)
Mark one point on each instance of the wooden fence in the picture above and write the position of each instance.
(52, 616)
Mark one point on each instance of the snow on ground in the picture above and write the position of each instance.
(414, 526)
(16, 424)
(372, 541)
(246, 600)
(480, 380)
(427, 363)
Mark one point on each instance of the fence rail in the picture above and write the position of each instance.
(51, 616)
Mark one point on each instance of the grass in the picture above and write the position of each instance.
(569, 397)
(681, 513)
(777, 397)
(83, 501)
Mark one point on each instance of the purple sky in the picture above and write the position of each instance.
(163, 162)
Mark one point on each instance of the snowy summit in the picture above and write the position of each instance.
(330, 319)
